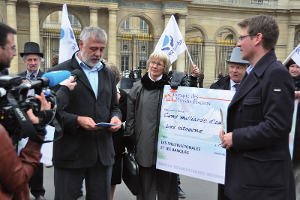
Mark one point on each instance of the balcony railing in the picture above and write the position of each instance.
(240, 3)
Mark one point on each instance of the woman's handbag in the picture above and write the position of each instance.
(130, 173)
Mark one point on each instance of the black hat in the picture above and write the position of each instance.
(32, 48)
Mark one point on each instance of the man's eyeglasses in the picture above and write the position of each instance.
(158, 64)
(242, 37)
(13, 48)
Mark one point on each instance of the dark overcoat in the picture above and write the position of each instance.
(80, 148)
(258, 166)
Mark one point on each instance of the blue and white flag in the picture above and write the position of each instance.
(171, 41)
(67, 45)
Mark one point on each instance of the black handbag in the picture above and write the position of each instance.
(130, 173)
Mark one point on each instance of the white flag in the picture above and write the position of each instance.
(171, 41)
(295, 55)
(67, 45)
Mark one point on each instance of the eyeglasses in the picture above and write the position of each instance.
(158, 64)
(13, 48)
(242, 37)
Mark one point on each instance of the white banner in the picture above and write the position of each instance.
(188, 140)
(171, 41)
(67, 45)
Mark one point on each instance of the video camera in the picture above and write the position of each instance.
(15, 102)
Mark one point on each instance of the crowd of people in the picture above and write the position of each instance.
(259, 119)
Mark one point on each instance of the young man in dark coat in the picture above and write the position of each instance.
(259, 119)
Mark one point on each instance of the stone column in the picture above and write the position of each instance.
(209, 62)
(290, 39)
(12, 22)
(180, 62)
(112, 36)
(94, 15)
(167, 18)
(34, 21)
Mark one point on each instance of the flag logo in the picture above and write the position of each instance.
(168, 40)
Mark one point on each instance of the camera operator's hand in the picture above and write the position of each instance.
(44, 106)
(69, 83)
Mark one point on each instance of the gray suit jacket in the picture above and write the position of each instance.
(80, 148)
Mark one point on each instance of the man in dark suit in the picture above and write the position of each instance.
(259, 119)
(86, 151)
(32, 59)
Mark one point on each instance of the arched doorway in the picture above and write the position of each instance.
(136, 44)
(51, 35)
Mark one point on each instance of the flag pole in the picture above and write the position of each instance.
(188, 53)
(289, 57)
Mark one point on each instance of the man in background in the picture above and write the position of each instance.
(32, 59)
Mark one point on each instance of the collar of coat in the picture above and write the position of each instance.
(150, 85)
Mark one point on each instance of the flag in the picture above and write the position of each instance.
(295, 55)
(171, 41)
(67, 44)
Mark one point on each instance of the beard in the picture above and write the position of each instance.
(4, 65)
(88, 60)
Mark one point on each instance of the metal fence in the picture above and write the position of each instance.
(134, 52)
(196, 49)
(223, 52)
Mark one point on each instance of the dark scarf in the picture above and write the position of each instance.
(297, 82)
(150, 85)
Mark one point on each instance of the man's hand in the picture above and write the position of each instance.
(226, 139)
(44, 106)
(195, 71)
(115, 120)
(68, 83)
(87, 123)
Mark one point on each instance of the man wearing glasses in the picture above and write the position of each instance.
(259, 119)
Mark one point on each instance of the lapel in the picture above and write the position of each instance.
(102, 76)
(249, 81)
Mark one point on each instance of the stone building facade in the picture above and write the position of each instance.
(209, 27)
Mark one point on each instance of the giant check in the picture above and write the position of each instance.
(188, 140)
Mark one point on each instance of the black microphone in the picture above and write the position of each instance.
(77, 74)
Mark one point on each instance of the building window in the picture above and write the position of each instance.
(124, 63)
(143, 25)
(126, 24)
(73, 19)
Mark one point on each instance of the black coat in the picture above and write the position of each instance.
(80, 148)
(259, 166)
(223, 84)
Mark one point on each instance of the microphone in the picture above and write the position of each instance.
(56, 77)
(49, 79)
(76, 74)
